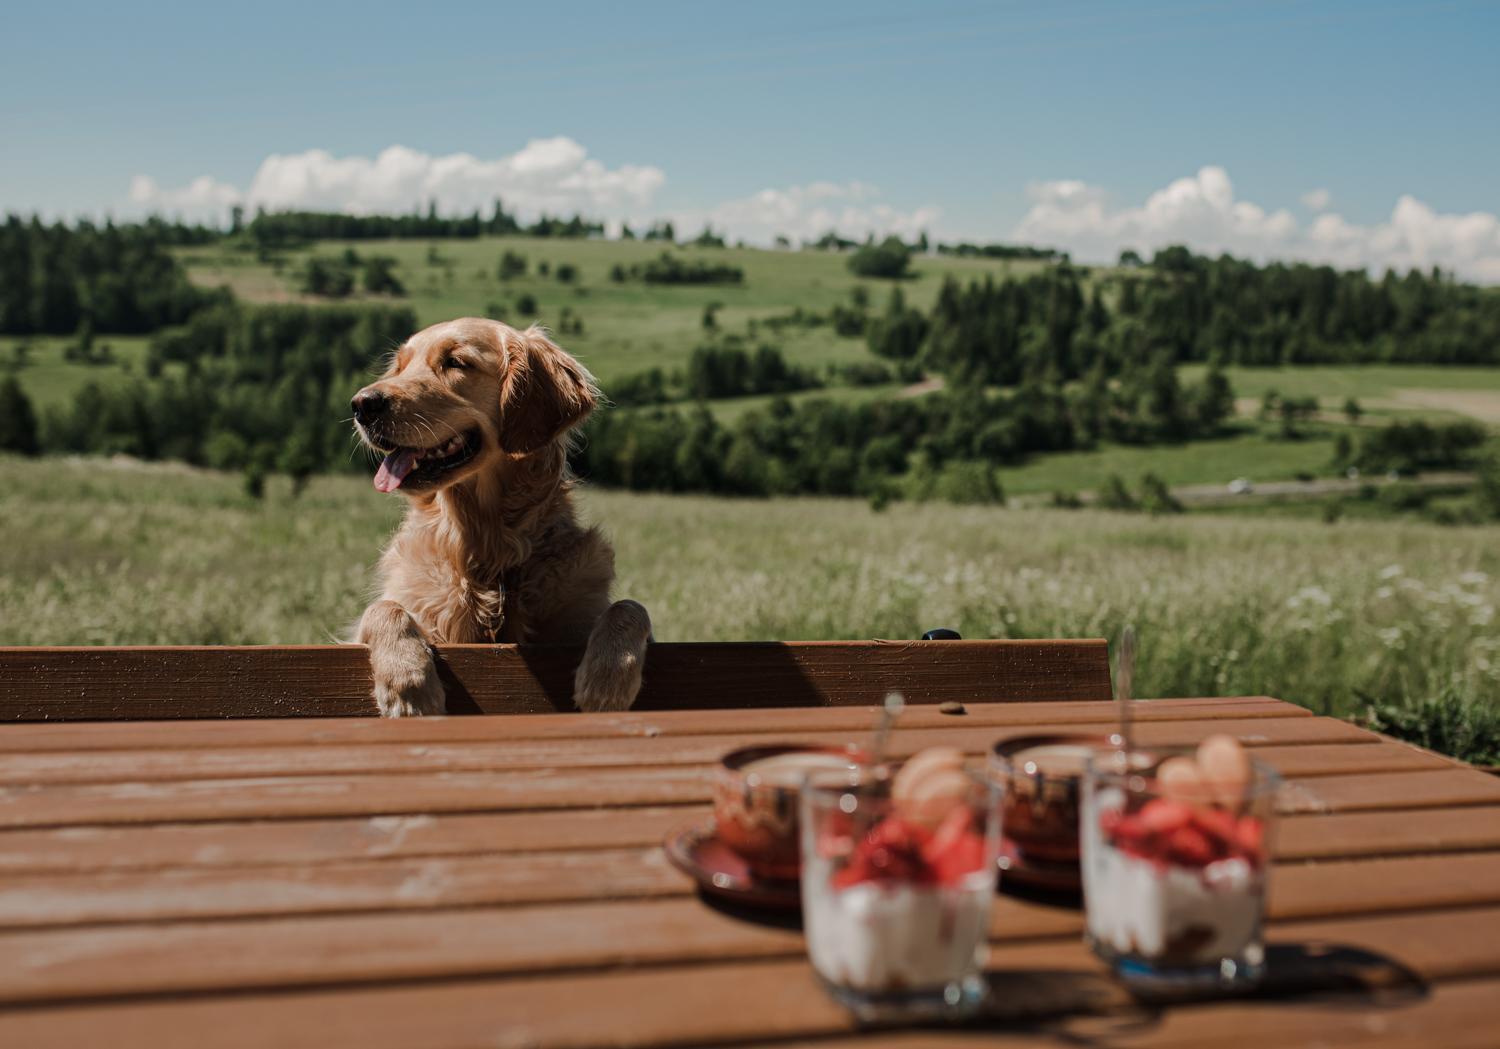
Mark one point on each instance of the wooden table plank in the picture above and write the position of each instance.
(547, 788)
(34, 737)
(585, 875)
(1450, 1015)
(116, 766)
(313, 841)
(213, 681)
(647, 1005)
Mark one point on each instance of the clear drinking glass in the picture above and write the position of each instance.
(1174, 880)
(896, 903)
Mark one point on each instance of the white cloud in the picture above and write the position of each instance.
(553, 174)
(1203, 213)
(204, 198)
(807, 212)
(1317, 199)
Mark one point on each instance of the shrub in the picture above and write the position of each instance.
(890, 259)
(667, 268)
(1409, 447)
(1113, 495)
(379, 276)
(1157, 498)
(17, 420)
(512, 264)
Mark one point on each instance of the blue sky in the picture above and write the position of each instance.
(966, 118)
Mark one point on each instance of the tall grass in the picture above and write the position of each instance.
(1335, 617)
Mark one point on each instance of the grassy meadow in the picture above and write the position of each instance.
(628, 327)
(1334, 617)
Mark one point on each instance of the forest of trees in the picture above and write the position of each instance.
(1236, 312)
(1054, 360)
(945, 444)
(264, 386)
(56, 279)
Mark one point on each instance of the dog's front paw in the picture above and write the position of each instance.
(607, 680)
(408, 687)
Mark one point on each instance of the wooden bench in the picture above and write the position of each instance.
(95, 683)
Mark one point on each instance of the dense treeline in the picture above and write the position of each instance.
(1055, 325)
(56, 279)
(945, 445)
(1234, 311)
(1002, 251)
(713, 372)
(667, 268)
(264, 386)
(284, 228)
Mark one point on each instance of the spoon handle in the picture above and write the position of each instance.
(1124, 683)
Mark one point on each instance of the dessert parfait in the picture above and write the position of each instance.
(1174, 866)
(898, 872)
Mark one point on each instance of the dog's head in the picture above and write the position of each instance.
(462, 395)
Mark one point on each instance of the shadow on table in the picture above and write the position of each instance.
(769, 917)
(1091, 1008)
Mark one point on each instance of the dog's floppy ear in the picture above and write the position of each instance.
(546, 392)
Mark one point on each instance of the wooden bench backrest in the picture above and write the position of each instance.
(88, 683)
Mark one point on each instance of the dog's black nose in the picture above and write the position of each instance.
(368, 405)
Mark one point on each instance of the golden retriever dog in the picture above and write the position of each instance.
(472, 418)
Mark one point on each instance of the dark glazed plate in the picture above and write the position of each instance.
(695, 849)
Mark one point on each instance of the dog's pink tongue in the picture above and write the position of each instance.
(393, 470)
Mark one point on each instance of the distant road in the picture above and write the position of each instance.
(1202, 494)
(1220, 493)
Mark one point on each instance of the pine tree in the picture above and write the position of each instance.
(17, 420)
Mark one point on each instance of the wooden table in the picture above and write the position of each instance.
(498, 882)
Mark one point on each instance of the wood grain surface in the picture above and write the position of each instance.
(77, 683)
(499, 882)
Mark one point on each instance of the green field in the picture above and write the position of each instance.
(628, 327)
(1331, 616)
(1381, 389)
(50, 380)
(633, 326)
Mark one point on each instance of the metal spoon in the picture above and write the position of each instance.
(1124, 682)
(895, 703)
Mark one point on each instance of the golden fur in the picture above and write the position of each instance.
(491, 550)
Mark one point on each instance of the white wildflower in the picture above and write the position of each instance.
(1390, 571)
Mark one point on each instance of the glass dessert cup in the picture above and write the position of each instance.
(1174, 872)
(756, 792)
(896, 896)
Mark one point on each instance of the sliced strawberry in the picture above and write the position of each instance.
(962, 857)
(1189, 847)
(1220, 826)
(1163, 816)
(1128, 832)
(896, 833)
(1250, 836)
(857, 870)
